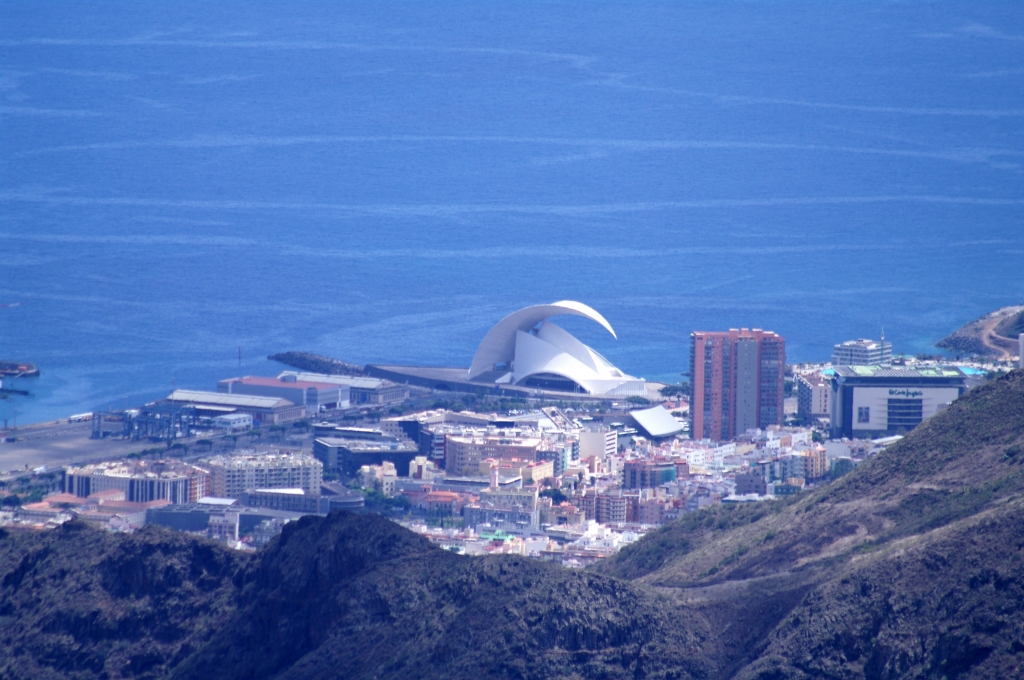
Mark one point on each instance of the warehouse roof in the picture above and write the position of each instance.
(298, 383)
(222, 399)
(350, 380)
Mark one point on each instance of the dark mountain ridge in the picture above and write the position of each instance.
(907, 567)
(346, 596)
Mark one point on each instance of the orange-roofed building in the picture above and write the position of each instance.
(445, 502)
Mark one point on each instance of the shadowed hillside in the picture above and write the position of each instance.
(347, 596)
(357, 596)
(79, 603)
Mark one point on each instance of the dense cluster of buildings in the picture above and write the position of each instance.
(223, 496)
(558, 484)
(503, 490)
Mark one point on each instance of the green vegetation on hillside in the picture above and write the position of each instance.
(1012, 327)
(78, 603)
(346, 596)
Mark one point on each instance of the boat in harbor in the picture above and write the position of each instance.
(14, 369)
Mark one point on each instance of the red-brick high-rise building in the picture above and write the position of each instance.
(736, 382)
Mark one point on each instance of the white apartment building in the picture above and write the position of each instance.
(600, 443)
(464, 454)
(812, 394)
(231, 476)
(862, 353)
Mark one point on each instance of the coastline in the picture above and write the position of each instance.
(983, 336)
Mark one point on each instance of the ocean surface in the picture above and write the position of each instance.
(382, 182)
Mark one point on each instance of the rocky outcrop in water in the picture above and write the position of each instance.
(994, 334)
(315, 363)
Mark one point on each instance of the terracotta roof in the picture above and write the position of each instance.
(64, 498)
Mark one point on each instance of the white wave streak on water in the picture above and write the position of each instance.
(229, 141)
(578, 61)
(428, 210)
(77, 73)
(977, 30)
(227, 78)
(778, 101)
(47, 113)
(575, 60)
(136, 239)
(500, 252)
(576, 252)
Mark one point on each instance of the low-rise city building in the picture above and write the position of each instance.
(362, 390)
(316, 397)
(812, 393)
(140, 481)
(465, 453)
(296, 500)
(346, 456)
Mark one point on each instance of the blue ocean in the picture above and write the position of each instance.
(383, 181)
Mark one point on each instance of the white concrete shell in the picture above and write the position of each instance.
(526, 344)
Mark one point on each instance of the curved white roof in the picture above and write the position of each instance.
(499, 345)
(519, 349)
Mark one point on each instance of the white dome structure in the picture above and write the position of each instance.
(526, 349)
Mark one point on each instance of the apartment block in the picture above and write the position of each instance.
(812, 394)
(140, 481)
(465, 453)
(232, 476)
(736, 382)
(647, 474)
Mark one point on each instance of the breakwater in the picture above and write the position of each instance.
(316, 363)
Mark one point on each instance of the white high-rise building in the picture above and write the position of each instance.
(862, 353)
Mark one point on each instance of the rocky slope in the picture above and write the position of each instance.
(347, 596)
(357, 597)
(78, 603)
